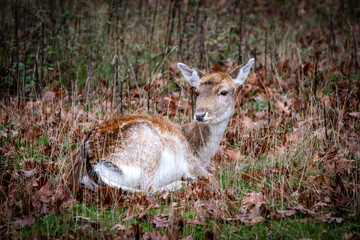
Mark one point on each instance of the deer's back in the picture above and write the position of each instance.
(133, 140)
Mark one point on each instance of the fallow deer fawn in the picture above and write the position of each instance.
(145, 153)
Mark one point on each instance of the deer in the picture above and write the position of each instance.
(152, 154)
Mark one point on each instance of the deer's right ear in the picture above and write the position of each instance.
(191, 75)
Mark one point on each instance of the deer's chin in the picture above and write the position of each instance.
(209, 120)
(203, 121)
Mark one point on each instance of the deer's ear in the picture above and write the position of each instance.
(191, 75)
(239, 74)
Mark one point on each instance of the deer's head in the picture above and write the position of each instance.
(215, 91)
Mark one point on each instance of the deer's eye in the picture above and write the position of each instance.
(224, 93)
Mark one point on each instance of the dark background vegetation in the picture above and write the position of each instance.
(288, 166)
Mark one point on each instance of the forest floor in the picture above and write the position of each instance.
(288, 166)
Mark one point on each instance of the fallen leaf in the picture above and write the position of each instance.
(283, 65)
(355, 114)
(257, 220)
(247, 122)
(174, 68)
(286, 212)
(161, 221)
(282, 107)
(305, 220)
(252, 79)
(187, 238)
(26, 221)
(320, 133)
(151, 199)
(145, 211)
(316, 157)
(274, 216)
(234, 229)
(31, 134)
(235, 154)
(49, 96)
(336, 219)
(4, 133)
(45, 194)
(351, 236)
(30, 172)
(253, 205)
(119, 226)
(155, 235)
(2, 117)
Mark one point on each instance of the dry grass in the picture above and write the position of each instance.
(288, 165)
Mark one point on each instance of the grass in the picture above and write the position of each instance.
(87, 216)
(303, 84)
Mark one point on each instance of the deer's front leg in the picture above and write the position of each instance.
(171, 187)
(196, 169)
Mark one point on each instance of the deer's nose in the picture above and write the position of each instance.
(200, 116)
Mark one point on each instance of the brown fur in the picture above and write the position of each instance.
(108, 137)
(120, 128)
(197, 135)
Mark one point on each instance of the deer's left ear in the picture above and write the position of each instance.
(239, 74)
(191, 75)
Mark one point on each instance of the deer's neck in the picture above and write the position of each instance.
(204, 138)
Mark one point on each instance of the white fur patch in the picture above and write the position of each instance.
(88, 182)
(172, 186)
(127, 177)
(173, 165)
(171, 169)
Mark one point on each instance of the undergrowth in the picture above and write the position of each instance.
(287, 167)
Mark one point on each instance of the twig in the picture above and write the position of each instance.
(69, 87)
(325, 125)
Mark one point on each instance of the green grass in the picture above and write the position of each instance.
(88, 216)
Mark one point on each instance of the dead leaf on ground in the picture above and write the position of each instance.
(257, 220)
(174, 68)
(254, 205)
(161, 221)
(282, 107)
(49, 96)
(283, 65)
(31, 134)
(45, 193)
(25, 221)
(187, 238)
(235, 154)
(119, 226)
(316, 157)
(252, 79)
(30, 173)
(155, 235)
(351, 236)
(355, 114)
(286, 212)
(145, 211)
(247, 122)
